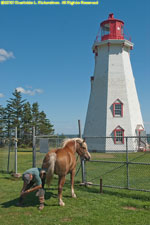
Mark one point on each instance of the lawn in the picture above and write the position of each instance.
(114, 206)
(116, 172)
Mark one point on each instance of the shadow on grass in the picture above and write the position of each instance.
(129, 194)
(123, 193)
(90, 189)
(29, 200)
(12, 178)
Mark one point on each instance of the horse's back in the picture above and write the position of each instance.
(65, 161)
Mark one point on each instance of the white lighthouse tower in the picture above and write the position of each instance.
(114, 109)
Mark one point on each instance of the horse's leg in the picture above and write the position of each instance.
(60, 188)
(72, 174)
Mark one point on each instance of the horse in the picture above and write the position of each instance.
(62, 161)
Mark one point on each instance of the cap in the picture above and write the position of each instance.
(26, 178)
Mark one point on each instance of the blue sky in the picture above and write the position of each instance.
(46, 51)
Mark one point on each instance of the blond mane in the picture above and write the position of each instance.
(67, 140)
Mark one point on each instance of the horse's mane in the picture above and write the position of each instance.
(67, 140)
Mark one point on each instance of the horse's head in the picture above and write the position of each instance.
(82, 150)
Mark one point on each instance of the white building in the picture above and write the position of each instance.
(114, 109)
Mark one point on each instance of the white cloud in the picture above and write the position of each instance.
(4, 55)
(29, 92)
(1, 95)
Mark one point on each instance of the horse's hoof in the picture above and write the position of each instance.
(74, 196)
(61, 203)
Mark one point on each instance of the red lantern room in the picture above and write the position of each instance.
(112, 28)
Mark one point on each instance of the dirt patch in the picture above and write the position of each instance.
(28, 213)
(66, 219)
(131, 208)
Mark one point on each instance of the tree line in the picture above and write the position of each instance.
(21, 114)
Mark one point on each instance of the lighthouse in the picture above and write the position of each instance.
(113, 109)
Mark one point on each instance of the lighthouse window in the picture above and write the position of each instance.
(117, 109)
(119, 136)
(105, 29)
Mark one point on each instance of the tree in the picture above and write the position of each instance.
(22, 115)
(15, 109)
(40, 122)
(35, 116)
(2, 121)
(8, 120)
(26, 118)
(26, 123)
(45, 127)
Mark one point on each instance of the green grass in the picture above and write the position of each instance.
(115, 174)
(113, 207)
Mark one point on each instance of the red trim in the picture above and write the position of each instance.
(115, 136)
(115, 28)
(114, 110)
(139, 131)
(117, 103)
(110, 19)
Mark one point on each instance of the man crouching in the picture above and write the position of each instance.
(34, 179)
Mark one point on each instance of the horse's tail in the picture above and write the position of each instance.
(50, 171)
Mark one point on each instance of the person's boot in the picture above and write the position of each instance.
(41, 198)
(41, 202)
(41, 206)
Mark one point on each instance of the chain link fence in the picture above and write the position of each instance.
(126, 166)
(16, 157)
(123, 165)
(42, 145)
(7, 154)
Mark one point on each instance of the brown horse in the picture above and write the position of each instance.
(62, 161)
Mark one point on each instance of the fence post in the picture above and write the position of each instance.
(16, 150)
(127, 162)
(79, 126)
(101, 185)
(34, 149)
(9, 148)
(82, 160)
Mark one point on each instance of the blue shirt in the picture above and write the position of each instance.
(36, 175)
